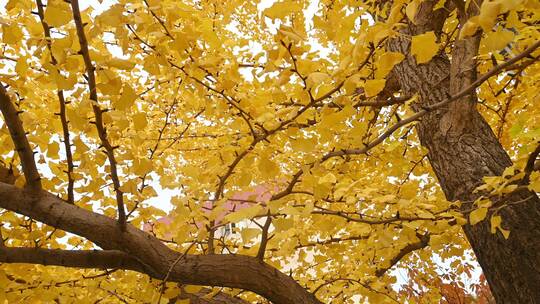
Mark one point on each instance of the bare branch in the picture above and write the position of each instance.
(101, 259)
(333, 240)
(264, 237)
(378, 221)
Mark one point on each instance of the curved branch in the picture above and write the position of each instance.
(422, 243)
(155, 258)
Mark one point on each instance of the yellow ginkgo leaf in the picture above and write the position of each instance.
(57, 15)
(478, 215)
(328, 178)
(53, 149)
(121, 64)
(267, 167)
(11, 34)
(245, 213)
(291, 35)
(249, 233)
(386, 62)
(280, 10)
(470, 28)
(22, 66)
(495, 223)
(139, 121)
(505, 233)
(283, 224)
(424, 47)
(374, 87)
(411, 9)
(488, 14)
(142, 166)
(316, 78)
(126, 99)
(495, 41)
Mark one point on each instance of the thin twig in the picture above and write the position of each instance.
(170, 270)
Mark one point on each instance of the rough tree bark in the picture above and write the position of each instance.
(462, 150)
(137, 250)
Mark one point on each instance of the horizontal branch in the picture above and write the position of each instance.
(100, 259)
(333, 240)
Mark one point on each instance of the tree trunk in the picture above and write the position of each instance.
(462, 150)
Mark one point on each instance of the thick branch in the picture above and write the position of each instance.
(18, 135)
(102, 259)
(201, 297)
(234, 271)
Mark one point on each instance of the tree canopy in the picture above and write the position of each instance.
(289, 119)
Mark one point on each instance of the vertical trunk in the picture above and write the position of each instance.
(462, 150)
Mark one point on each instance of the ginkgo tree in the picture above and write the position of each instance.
(357, 137)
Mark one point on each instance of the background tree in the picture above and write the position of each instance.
(345, 120)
